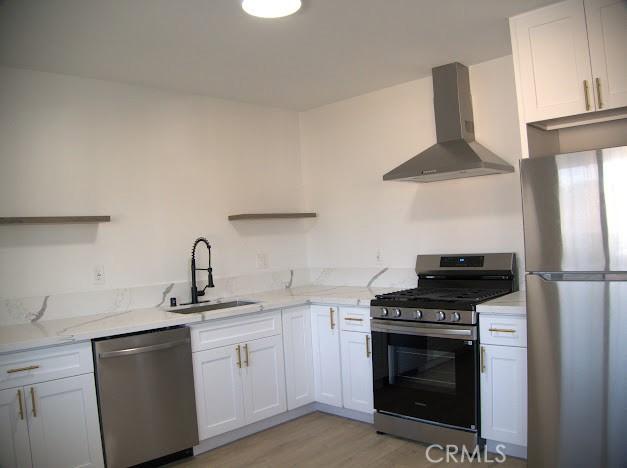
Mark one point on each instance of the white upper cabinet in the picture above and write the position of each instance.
(14, 439)
(326, 354)
(264, 381)
(551, 47)
(607, 34)
(299, 377)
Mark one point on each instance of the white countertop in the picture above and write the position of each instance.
(69, 330)
(511, 304)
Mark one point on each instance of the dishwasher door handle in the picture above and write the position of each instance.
(142, 349)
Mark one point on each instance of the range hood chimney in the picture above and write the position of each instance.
(456, 153)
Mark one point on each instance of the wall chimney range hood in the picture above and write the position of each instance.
(456, 153)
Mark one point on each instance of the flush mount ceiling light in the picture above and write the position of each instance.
(271, 8)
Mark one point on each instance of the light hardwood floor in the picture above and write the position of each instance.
(322, 440)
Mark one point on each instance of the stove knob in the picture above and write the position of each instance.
(440, 316)
(397, 312)
(456, 317)
(384, 312)
(419, 314)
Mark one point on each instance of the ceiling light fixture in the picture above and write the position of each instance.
(271, 8)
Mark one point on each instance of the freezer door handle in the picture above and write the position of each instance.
(142, 349)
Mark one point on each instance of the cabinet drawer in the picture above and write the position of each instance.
(40, 365)
(355, 319)
(230, 331)
(503, 330)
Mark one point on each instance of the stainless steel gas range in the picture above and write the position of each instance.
(426, 351)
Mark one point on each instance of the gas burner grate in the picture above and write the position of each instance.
(443, 294)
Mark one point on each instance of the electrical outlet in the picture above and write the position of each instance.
(99, 275)
(262, 261)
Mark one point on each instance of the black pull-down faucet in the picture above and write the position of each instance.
(195, 292)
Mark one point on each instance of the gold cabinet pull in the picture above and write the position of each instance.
(19, 399)
(22, 369)
(368, 352)
(331, 318)
(247, 357)
(598, 83)
(502, 330)
(32, 397)
(239, 356)
(586, 94)
(352, 319)
(482, 359)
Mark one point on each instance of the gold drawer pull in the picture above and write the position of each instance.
(368, 352)
(19, 399)
(598, 81)
(331, 318)
(22, 369)
(32, 397)
(586, 94)
(247, 357)
(482, 359)
(239, 356)
(502, 330)
(352, 319)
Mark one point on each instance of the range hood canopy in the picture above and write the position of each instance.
(456, 153)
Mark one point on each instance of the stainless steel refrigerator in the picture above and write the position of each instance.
(575, 219)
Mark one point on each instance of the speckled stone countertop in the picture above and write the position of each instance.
(74, 329)
(511, 304)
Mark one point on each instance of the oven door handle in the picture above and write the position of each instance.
(457, 333)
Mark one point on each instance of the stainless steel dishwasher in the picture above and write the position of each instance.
(146, 396)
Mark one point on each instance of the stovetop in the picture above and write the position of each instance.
(427, 295)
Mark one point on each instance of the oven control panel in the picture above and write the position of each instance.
(461, 317)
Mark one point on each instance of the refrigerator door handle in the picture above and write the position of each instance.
(558, 276)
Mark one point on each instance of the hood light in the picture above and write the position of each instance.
(271, 8)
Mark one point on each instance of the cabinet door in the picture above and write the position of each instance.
(551, 49)
(14, 443)
(326, 355)
(504, 394)
(264, 379)
(219, 391)
(607, 34)
(63, 423)
(357, 371)
(299, 378)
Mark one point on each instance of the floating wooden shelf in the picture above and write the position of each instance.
(252, 216)
(56, 220)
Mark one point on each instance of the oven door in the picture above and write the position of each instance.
(426, 371)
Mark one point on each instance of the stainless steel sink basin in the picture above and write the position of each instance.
(195, 308)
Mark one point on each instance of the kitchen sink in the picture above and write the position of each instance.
(195, 308)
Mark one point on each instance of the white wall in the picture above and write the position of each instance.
(348, 146)
(167, 168)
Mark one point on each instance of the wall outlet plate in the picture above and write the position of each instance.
(99, 275)
(262, 261)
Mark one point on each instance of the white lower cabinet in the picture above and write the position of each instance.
(264, 379)
(50, 420)
(241, 383)
(326, 355)
(357, 371)
(219, 390)
(504, 394)
(14, 439)
(299, 375)
(63, 423)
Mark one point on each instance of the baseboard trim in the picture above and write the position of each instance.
(345, 413)
(232, 436)
(511, 450)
